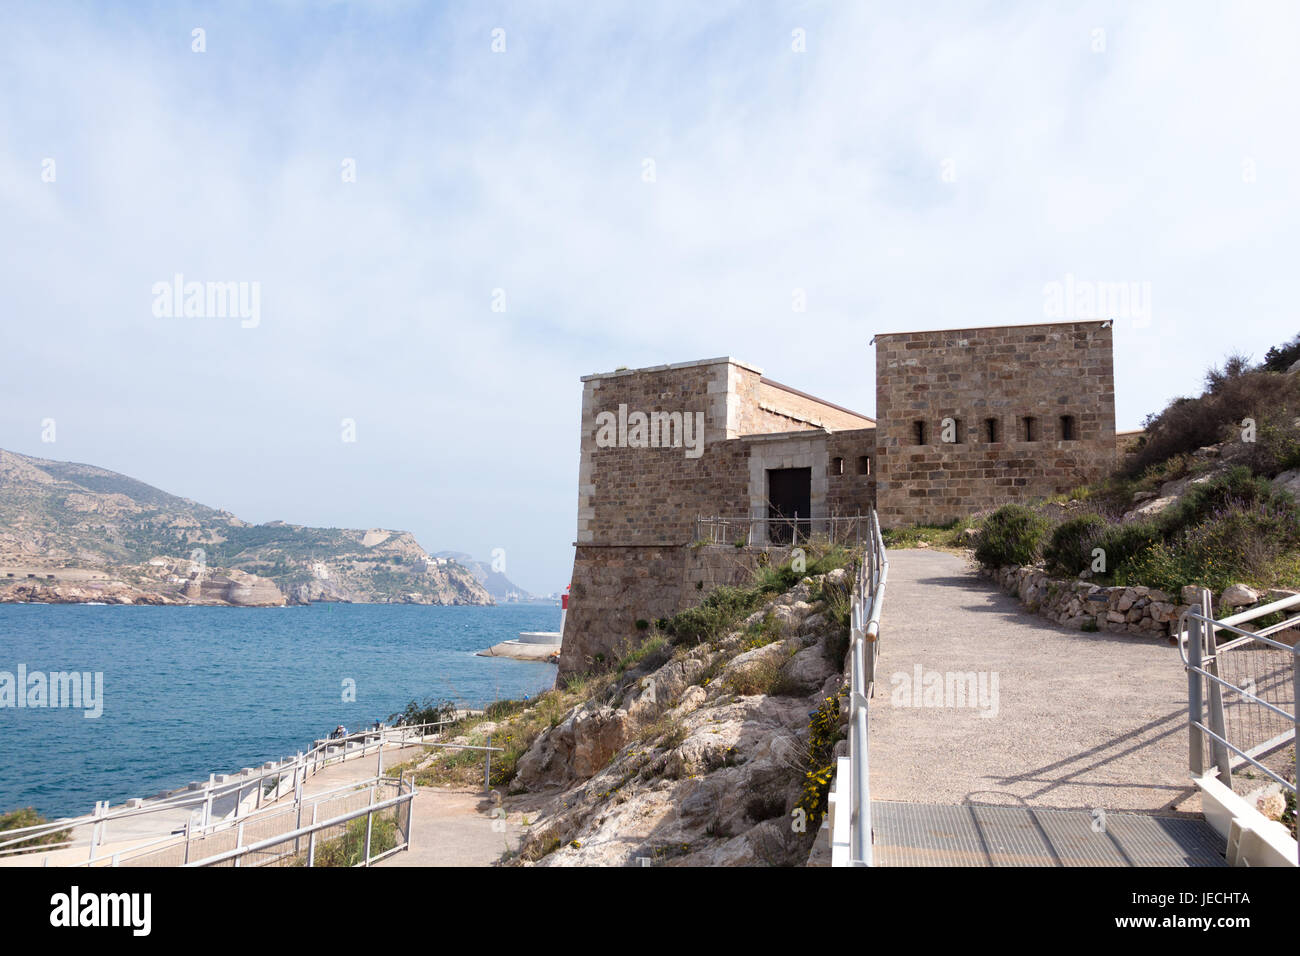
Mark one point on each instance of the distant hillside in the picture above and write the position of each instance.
(497, 584)
(77, 524)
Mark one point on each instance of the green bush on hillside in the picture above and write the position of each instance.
(1124, 542)
(712, 616)
(1234, 490)
(1281, 357)
(1073, 541)
(1249, 544)
(1233, 394)
(1277, 440)
(425, 713)
(1011, 535)
(29, 817)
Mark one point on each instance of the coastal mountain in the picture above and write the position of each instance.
(502, 589)
(76, 533)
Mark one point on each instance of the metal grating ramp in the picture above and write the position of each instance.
(916, 834)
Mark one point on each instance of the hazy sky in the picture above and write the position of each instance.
(914, 166)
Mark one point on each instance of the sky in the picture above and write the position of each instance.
(451, 212)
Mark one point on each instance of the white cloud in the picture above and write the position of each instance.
(775, 170)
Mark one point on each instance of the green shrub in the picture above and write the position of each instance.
(1235, 489)
(1281, 357)
(425, 713)
(1232, 394)
(947, 535)
(1277, 441)
(499, 709)
(1251, 544)
(713, 616)
(28, 817)
(350, 848)
(1011, 535)
(1073, 541)
(1124, 542)
(819, 558)
(651, 648)
(824, 731)
(763, 675)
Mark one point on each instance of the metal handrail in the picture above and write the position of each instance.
(406, 794)
(722, 529)
(1201, 656)
(307, 763)
(866, 606)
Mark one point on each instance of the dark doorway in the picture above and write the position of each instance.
(789, 505)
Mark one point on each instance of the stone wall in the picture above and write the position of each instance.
(613, 587)
(1004, 374)
(1081, 604)
(637, 506)
(1124, 610)
(651, 496)
(851, 487)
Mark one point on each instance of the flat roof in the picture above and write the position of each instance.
(1102, 323)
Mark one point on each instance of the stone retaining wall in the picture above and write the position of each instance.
(1082, 604)
(614, 587)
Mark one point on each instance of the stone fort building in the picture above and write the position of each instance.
(688, 472)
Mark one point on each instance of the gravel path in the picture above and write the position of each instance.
(1078, 720)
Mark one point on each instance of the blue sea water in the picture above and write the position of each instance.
(194, 690)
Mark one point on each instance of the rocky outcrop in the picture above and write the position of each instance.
(113, 592)
(77, 518)
(700, 759)
(233, 588)
(315, 592)
(1289, 481)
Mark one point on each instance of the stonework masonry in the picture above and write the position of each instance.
(1030, 411)
(637, 506)
(1031, 407)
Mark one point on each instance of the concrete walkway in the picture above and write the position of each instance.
(456, 828)
(1080, 721)
(123, 834)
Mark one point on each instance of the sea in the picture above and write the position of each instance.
(189, 691)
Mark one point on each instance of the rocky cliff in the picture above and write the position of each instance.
(715, 753)
(76, 533)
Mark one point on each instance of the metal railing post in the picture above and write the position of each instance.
(370, 822)
(1295, 718)
(311, 839)
(487, 765)
(410, 808)
(1217, 723)
(96, 834)
(1195, 709)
